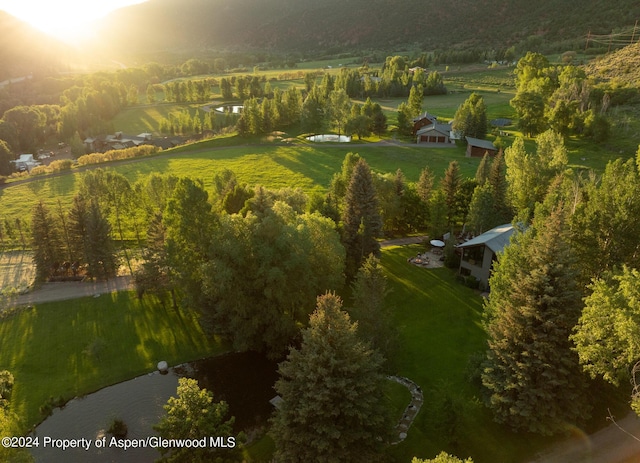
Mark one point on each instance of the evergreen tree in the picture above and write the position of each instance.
(425, 185)
(100, 253)
(438, 221)
(481, 215)
(48, 250)
(361, 220)
(330, 387)
(340, 181)
(531, 371)
(379, 120)
(484, 168)
(313, 111)
(450, 186)
(194, 415)
(369, 309)
(77, 226)
(497, 180)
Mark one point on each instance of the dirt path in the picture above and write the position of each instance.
(70, 290)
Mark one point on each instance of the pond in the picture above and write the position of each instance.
(329, 137)
(244, 380)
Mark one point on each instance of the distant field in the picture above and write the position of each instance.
(146, 118)
(307, 166)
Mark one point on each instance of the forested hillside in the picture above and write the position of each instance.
(310, 25)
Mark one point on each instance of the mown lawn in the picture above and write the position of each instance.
(74, 347)
(439, 321)
(307, 166)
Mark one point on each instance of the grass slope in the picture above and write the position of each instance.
(440, 327)
(71, 348)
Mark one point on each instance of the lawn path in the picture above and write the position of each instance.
(62, 291)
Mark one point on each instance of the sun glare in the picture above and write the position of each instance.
(68, 20)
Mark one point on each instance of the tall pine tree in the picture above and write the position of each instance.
(48, 250)
(361, 220)
(370, 309)
(330, 387)
(532, 373)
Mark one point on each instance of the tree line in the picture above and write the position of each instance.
(563, 304)
(562, 98)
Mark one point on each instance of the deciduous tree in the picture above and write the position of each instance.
(265, 272)
(6, 156)
(604, 227)
(607, 335)
(470, 119)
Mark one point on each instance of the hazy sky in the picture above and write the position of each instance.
(65, 19)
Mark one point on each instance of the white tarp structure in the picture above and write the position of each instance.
(26, 162)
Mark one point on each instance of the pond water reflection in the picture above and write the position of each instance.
(244, 380)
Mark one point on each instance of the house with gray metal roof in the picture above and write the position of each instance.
(479, 253)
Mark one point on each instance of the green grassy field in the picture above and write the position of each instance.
(305, 165)
(71, 348)
(440, 327)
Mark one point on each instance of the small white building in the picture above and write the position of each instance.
(25, 162)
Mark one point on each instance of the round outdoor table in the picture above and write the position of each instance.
(437, 243)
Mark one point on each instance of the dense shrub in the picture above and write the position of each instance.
(60, 165)
(116, 155)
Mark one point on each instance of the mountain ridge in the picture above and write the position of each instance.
(296, 25)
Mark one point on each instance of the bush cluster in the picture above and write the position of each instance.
(116, 155)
